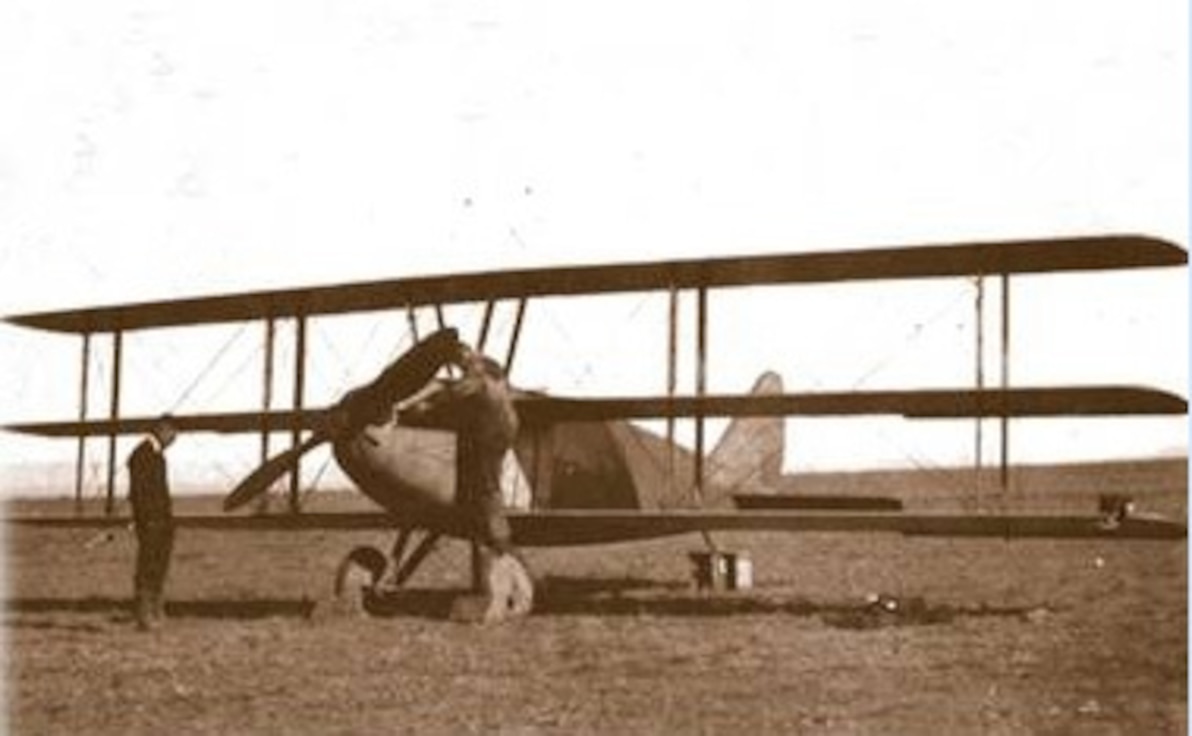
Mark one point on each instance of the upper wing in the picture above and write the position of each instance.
(545, 410)
(989, 258)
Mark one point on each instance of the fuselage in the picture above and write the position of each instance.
(410, 471)
(613, 465)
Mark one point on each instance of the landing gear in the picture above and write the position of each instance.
(403, 567)
(505, 590)
(357, 576)
(365, 577)
(367, 582)
(355, 587)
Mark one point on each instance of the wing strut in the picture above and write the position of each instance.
(979, 379)
(701, 387)
(516, 336)
(267, 398)
(1004, 379)
(412, 318)
(299, 392)
(117, 358)
(81, 454)
(1005, 445)
(484, 325)
(672, 361)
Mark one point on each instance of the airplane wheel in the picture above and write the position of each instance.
(359, 573)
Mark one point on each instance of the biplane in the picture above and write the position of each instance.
(581, 470)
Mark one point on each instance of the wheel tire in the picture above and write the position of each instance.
(359, 572)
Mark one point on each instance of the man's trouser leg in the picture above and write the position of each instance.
(154, 546)
(506, 580)
(506, 587)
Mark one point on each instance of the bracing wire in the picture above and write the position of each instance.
(580, 375)
(236, 372)
(345, 376)
(209, 367)
(914, 334)
(314, 483)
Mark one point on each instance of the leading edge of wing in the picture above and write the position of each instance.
(229, 422)
(228, 522)
(588, 527)
(918, 404)
(543, 410)
(574, 528)
(956, 259)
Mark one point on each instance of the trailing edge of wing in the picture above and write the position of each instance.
(584, 527)
(921, 404)
(959, 259)
(545, 410)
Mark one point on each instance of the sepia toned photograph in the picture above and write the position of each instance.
(562, 368)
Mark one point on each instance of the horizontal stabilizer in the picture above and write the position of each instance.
(776, 501)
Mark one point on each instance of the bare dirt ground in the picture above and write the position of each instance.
(992, 637)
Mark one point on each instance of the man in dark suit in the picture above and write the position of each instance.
(153, 520)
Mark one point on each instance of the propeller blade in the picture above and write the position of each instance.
(415, 368)
(359, 407)
(260, 479)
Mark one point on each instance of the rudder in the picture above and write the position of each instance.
(750, 453)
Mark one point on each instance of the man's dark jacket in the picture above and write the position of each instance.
(149, 490)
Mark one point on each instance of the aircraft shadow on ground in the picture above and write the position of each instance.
(634, 597)
(559, 596)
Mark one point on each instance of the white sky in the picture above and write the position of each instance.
(157, 148)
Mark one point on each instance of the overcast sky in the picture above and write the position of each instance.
(156, 148)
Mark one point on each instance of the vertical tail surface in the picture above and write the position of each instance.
(749, 456)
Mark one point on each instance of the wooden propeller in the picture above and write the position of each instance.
(356, 410)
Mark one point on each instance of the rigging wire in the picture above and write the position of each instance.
(320, 370)
(579, 376)
(935, 473)
(313, 486)
(236, 373)
(915, 333)
(96, 467)
(345, 377)
(209, 367)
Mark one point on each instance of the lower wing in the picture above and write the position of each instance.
(584, 527)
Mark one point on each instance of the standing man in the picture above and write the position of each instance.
(153, 521)
(488, 426)
(480, 410)
(488, 430)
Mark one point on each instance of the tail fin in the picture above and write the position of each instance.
(750, 453)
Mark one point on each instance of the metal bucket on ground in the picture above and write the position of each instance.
(722, 570)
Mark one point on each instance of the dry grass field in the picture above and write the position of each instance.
(992, 637)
